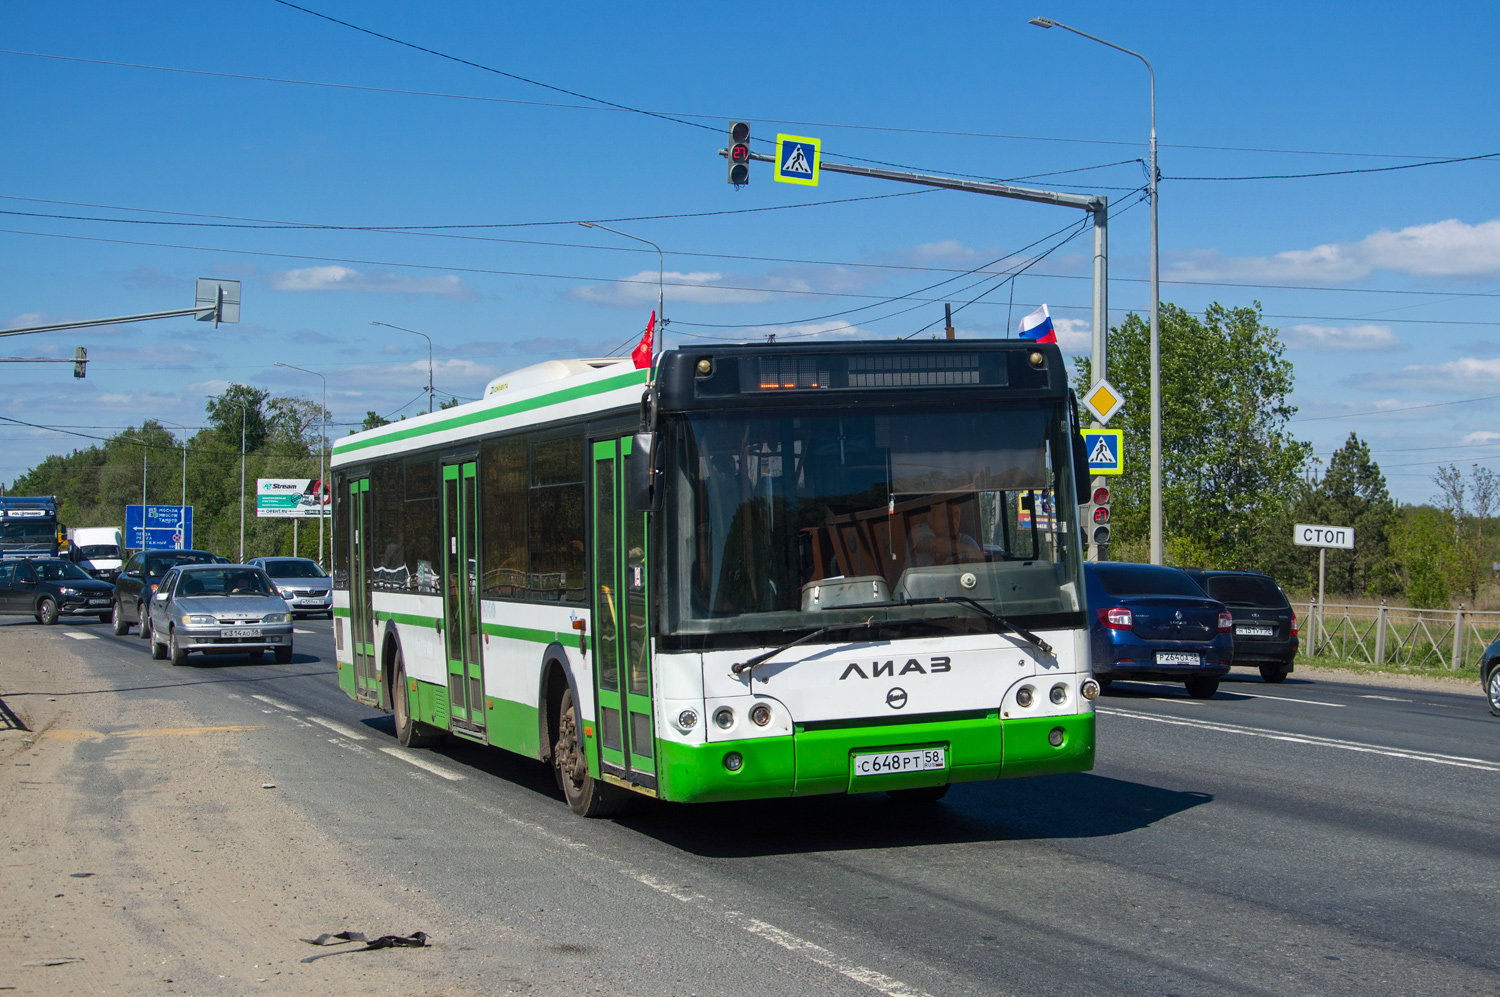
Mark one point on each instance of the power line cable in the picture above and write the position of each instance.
(1342, 173)
(1402, 408)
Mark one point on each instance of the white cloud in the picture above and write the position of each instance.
(337, 278)
(1482, 436)
(1448, 249)
(702, 288)
(1341, 339)
(1469, 374)
(1074, 335)
(944, 251)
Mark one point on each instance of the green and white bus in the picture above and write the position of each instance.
(771, 571)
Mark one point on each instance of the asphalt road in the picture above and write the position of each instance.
(1296, 838)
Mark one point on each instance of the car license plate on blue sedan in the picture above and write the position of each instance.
(888, 762)
(1178, 658)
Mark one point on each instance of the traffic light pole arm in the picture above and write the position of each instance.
(205, 313)
(1082, 201)
(39, 360)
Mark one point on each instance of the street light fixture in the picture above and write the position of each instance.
(661, 318)
(322, 450)
(1156, 519)
(429, 356)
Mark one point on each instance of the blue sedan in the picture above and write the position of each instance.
(1153, 622)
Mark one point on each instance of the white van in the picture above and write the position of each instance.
(97, 549)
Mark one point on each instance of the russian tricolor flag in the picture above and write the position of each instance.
(1038, 326)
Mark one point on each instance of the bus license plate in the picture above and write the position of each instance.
(888, 762)
(242, 632)
(1255, 631)
(1177, 658)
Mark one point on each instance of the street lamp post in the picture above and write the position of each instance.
(1156, 520)
(241, 407)
(322, 449)
(182, 509)
(661, 318)
(429, 356)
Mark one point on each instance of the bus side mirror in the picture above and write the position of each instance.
(1081, 476)
(644, 493)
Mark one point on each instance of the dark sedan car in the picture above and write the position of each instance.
(138, 580)
(1154, 622)
(1265, 626)
(49, 587)
(1489, 676)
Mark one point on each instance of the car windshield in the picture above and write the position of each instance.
(224, 581)
(57, 571)
(1145, 579)
(796, 518)
(1245, 590)
(293, 567)
(102, 551)
(32, 529)
(161, 564)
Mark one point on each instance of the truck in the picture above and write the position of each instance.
(99, 550)
(29, 527)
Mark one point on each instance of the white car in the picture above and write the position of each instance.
(306, 587)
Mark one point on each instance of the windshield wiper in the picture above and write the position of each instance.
(760, 659)
(973, 604)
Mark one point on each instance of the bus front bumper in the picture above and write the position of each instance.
(811, 762)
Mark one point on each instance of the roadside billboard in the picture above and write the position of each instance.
(291, 498)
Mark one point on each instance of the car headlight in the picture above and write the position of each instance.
(69, 591)
(199, 620)
(273, 618)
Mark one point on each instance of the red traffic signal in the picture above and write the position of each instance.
(739, 153)
(1101, 495)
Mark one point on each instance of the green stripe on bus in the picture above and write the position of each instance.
(341, 611)
(527, 634)
(499, 412)
(408, 619)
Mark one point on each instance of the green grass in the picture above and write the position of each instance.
(1468, 673)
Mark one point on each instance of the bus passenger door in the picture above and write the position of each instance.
(461, 598)
(622, 659)
(361, 618)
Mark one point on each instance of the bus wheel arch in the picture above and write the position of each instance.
(555, 681)
(390, 652)
(395, 686)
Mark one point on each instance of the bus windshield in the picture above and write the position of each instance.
(806, 518)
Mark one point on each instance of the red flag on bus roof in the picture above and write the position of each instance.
(642, 353)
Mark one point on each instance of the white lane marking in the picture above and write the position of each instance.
(296, 631)
(78, 636)
(1287, 699)
(1389, 699)
(874, 979)
(338, 728)
(422, 763)
(276, 703)
(1459, 761)
(813, 952)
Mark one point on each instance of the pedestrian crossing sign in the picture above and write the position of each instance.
(797, 159)
(1106, 450)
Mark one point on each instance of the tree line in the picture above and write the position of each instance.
(1235, 479)
(280, 438)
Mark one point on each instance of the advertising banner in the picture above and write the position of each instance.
(291, 498)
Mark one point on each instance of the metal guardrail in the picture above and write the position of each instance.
(1394, 636)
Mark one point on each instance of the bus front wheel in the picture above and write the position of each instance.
(587, 796)
(411, 733)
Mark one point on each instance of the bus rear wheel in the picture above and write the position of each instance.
(411, 733)
(587, 796)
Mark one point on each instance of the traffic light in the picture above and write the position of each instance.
(80, 361)
(1099, 531)
(739, 153)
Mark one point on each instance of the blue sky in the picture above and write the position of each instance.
(1383, 284)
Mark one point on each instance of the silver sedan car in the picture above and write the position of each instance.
(218, 609)
(305, 586)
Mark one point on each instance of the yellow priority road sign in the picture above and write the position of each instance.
(1104, 400)
(797, 159)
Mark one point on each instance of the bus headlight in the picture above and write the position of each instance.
(687, 719)
(760, 714)
(1089, 690)
(1059, 694)
(724, 717)
(1024, 695)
